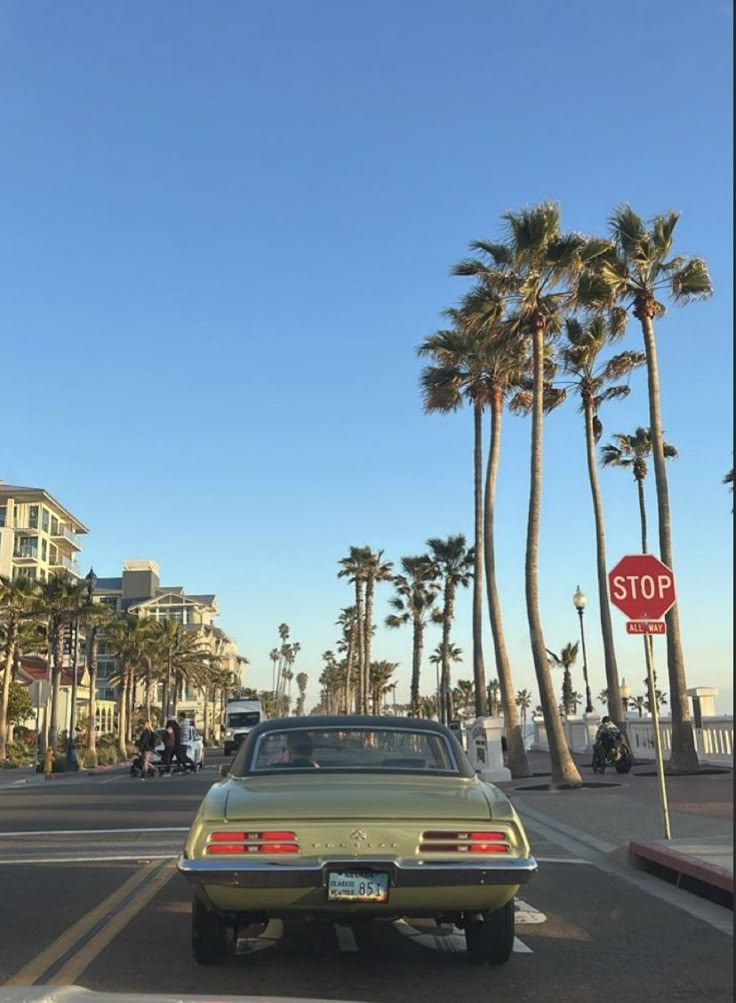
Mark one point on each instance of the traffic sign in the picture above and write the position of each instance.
(646, 627)
(642, 587)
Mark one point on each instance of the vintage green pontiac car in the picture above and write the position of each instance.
(352, 818)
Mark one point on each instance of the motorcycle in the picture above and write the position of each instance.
(612, 752)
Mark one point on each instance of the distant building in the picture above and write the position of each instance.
(38, 536)
(138, 591)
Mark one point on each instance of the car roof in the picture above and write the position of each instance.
(350, 721)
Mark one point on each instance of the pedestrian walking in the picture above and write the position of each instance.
(146, 745)
(182, 735)
(169, 745)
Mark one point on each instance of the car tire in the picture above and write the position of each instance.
(211, 936)
(491, 940)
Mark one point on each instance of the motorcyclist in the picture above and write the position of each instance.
(608, 735)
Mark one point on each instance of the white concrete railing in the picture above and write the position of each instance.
(714, 741)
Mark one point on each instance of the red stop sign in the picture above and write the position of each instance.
(642, 587)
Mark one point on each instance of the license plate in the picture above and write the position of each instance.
(357, 886)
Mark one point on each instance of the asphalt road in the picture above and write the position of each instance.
(90, 897)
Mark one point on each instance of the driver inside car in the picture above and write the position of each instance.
(298, 750)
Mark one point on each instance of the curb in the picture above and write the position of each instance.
(710, 874)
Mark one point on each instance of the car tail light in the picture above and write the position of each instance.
(464, 842)
(277, 841)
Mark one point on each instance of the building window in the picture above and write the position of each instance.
(44, 550)
(53, 556)
(33, 517)
(54, 526)
(26, 546)
(3, 514)
(45, 520)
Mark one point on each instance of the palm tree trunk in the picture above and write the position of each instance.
(447, 616)
(517, 758)
(122, 712)
(564, 770)
(367, 630)
(92, 724)
(683, 757)
(642, 513)
(416, 662)
(361, 696)
(615, 706)
(56, 684)
(10, 644)
(479, 672)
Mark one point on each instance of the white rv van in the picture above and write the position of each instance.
(240, 717)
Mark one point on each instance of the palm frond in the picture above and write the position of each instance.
(691, 282)
(627, 228)
(663, 227)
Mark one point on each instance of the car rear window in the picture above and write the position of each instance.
(373, 750)
(243, 719)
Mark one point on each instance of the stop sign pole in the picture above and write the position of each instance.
(643, 588)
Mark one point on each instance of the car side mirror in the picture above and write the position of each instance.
(225, 770)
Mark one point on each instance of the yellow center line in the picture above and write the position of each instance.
(38, 965)
(96, 944)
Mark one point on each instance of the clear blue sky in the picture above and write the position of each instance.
(226, 227)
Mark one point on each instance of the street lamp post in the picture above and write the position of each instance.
(579, 600)
(71, 749)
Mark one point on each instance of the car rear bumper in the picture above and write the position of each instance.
(403, 873)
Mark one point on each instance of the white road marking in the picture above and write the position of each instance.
(345, 937)
(87, 832)
(526, 914)
(453, 943)
(137, 857)
(270, 936)
(563, 860)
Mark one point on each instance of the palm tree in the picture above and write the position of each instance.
(638, 703)
(416, 592)
(459, 373)
(535, 270)
(376, 570)
(636, 273)
(505, 361)
(17, 599)
(603, 697)
(464, 694)
(124, 641)
(523, 702)
(428, 707)
(566, 658)
(97, 618)
(301, 681)
(274, 656)
(347, 645)
(380, 682)
(575, 700)
(353, 567)
(453, 563)
(632, 451)
(60, 601)
(454, 654)
(595, 384)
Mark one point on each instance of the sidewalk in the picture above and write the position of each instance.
(621, 815)
(26, 775)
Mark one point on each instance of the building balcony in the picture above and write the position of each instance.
(66, 565)
(64, 533)
(24, 557)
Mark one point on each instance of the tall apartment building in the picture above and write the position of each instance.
(38, 536)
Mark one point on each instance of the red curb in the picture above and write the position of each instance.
(710, 874)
